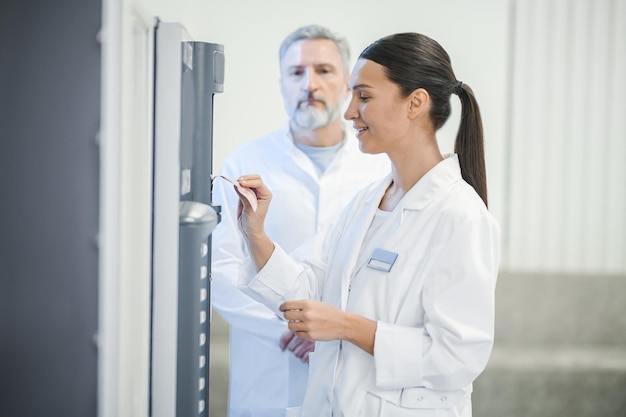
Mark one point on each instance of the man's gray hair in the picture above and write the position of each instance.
(318, 32)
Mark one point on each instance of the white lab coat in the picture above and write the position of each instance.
(434, 308)
(263, 379)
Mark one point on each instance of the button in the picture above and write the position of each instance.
(204, 250)
(203, 272)
(201, 384)
(202, 339)
(200, 406)
(202, 361)
(444, 398)
(420, 398)
(202, 294)
(202, 316)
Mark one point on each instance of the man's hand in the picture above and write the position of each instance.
(299, 346)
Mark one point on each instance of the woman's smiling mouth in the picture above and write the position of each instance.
(360, 130)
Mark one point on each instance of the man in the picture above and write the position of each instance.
(313, 167)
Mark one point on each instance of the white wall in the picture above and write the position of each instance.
(474, 34)
(515, 54)
(125, 210)
(548, 76)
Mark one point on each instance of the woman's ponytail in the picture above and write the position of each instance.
(469, 145)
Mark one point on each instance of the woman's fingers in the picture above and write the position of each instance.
(293, 305)
(255, 183)
(293, 315)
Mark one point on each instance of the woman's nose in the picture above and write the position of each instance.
(351, 113)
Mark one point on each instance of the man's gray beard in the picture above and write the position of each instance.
(311, 118)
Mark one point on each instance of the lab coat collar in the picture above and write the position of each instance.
(286, 139)
(440, 177)
(293, 154)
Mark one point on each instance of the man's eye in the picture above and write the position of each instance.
(363, 98)
(296, 73)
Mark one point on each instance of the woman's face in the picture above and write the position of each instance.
(376, 109)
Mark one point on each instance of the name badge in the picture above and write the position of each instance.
(382, 260)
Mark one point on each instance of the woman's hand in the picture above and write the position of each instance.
(316, 320)
(251, 222)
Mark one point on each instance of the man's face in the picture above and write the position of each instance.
(313, 83)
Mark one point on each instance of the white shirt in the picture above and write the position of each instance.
(434, 308)
(263, 379)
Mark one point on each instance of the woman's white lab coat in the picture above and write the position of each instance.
(264, 379)
(434, 308)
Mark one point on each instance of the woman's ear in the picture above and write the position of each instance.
(419, 103)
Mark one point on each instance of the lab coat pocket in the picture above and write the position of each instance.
(436, 403)
(388, 404)
(429, 398)
(369, 405)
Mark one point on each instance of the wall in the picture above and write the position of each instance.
(125, 211)
(474, 33)
(547, 76)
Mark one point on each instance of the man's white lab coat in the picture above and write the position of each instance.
(434, 308)
(265, 380)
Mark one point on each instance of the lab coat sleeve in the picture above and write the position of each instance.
(454, 345)
(298, 275)
(228, 252)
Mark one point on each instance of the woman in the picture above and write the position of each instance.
(399, 294)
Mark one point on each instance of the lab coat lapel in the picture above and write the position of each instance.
(350, 245)
(297, 160)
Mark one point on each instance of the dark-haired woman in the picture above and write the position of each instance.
(399, 294)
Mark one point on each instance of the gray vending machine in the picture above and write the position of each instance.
(187, 76)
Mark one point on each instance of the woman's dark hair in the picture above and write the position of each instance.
(413, 61)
